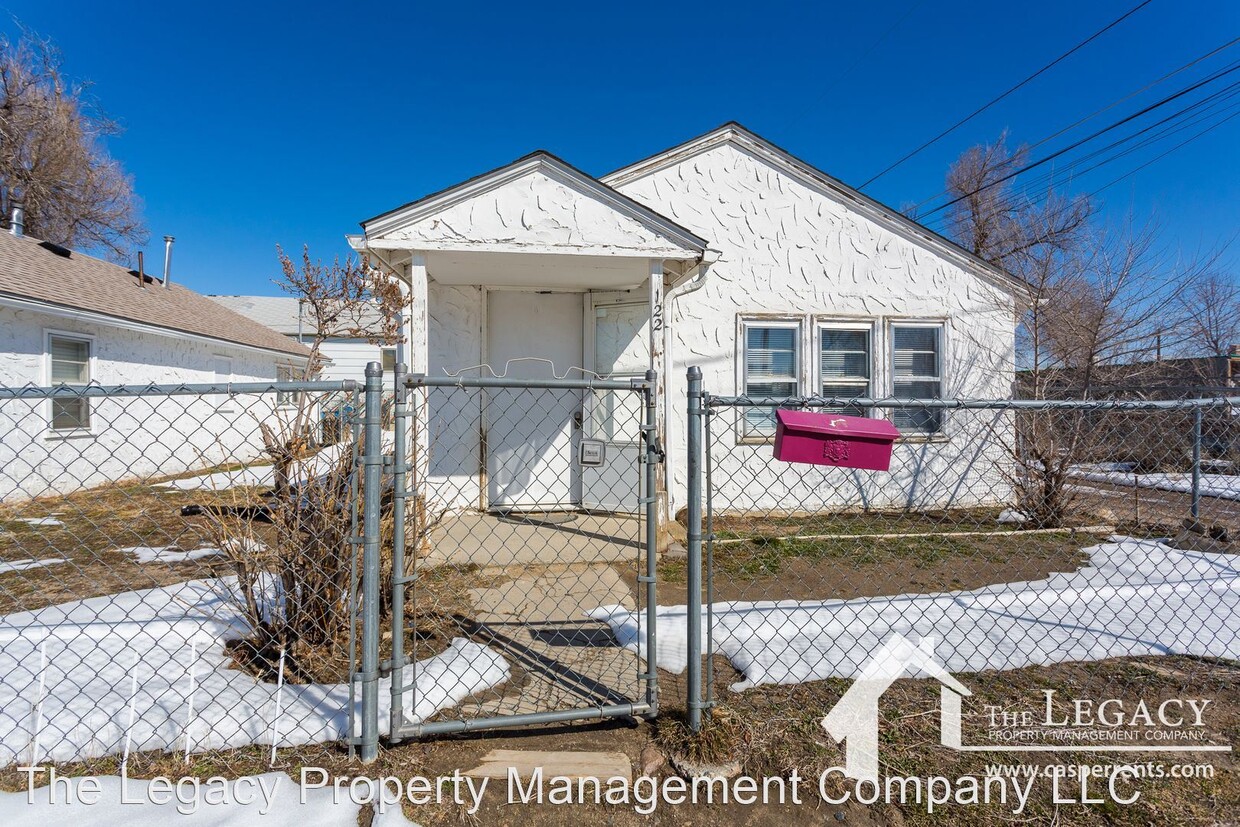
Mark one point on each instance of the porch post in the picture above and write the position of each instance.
(657, 365)
(417, 323)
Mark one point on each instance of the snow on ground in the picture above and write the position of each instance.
(264, 476)
(172, 639)
(272, 799)
(40, 521)
(1134, 597)
(166, 554)
(1224, 486)
(24, 565)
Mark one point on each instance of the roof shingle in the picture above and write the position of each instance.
(41, 271)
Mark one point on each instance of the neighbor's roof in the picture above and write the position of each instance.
(46, 273)
(280, 313)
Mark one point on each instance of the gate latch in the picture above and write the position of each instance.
(656, 447)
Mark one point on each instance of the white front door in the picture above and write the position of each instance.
(532, 435)
(620, 350)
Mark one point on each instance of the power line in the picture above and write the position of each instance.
(1048, 158)
(1109, 106)
(1183, 143)
(982, 109)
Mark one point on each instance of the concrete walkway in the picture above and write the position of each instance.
(490, 540)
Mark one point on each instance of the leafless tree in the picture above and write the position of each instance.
(1211, 314)
(53, 159)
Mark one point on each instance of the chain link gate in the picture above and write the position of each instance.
(524, 511)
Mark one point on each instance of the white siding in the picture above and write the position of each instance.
(348, 360)
(129, 438)
(790, 250)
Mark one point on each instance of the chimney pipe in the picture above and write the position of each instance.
(168, 260)
(141, 272)
(17, 225)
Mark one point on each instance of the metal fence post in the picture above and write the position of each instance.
(650, 482)
(372, 484)
(1196, 500)
(694, 562)
(399, 478)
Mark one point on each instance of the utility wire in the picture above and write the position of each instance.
(1052, 156)
(982, 109)
(1159, 157)
(1109, 106)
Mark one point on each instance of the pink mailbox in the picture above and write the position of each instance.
(834, 439)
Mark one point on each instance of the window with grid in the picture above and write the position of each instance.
(771, 368)
(286, 399)
(70, 360)
(916, 370)
(844, 361)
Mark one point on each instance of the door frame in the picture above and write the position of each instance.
(484, 414)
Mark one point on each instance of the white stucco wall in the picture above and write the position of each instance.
(130, 437)
(791, 251)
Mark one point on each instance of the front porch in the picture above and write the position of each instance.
(535, 272)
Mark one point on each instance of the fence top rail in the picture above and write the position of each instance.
(190, 389)
(586, 384)
(969, 404)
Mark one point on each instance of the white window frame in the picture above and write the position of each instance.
(939, 325)
(92, 372)
(224, 403)
(287, 399)
(868, 327)
(744, 324)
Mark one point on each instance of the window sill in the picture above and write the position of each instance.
(61, 436)
(914, 439)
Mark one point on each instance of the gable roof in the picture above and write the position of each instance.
(45, 274)
(536, 162)
(281, 313)
(735, 133)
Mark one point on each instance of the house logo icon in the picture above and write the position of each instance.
(854, 718)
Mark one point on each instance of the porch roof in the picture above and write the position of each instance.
(538, 204)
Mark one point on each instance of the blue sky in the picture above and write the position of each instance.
(252, 124)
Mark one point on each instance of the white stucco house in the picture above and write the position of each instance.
(69, 318)
(725, 252)
(346, 357)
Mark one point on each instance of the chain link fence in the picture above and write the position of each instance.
(1081, 549)
(177, 574)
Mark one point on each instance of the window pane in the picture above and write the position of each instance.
(70, 414)
(915, 369)
(70, 361)
(916, 338)
(771, 352)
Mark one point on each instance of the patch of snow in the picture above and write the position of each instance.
(24, 565)
(1224, 486)
(272, 799)
(1134, 597)
(40, 521)
(1011, 515)
(176, 634)
(165, 554)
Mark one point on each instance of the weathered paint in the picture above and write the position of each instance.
(131, 437)
(791, 251)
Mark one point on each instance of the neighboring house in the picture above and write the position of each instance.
(346, 357)
(725, 252)
(68, 318)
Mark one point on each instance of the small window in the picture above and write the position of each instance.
(916, 370)
(844, 365)
(388, 357)
(772, 365)
(286, 398)
(70, 359)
